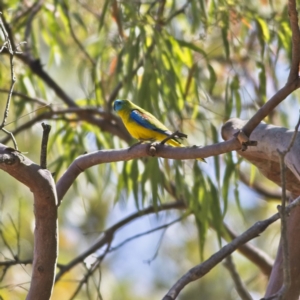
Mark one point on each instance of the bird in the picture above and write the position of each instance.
(142, 125)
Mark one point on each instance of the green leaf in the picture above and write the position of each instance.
(230, 167)
(191, 46)
(263, 29)
(134, 173)
(228, 100)
(215, 209)
(155, 179)
(103, 14)
(262, 82)
(79, 20)
(212, 79)
(224, 32)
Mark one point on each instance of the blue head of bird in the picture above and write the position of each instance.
(122, 104)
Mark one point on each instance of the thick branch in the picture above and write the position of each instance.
(294, 22)
(41, 184)
(265, 156)
(276, 278)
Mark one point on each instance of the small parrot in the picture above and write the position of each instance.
(142, 125)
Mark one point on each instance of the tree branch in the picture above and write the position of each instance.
(109, 233)
(85, 161)
(41, 183)
(255, 255)
(239, 285)
(294, 22)
(200, 270)
(293, 81)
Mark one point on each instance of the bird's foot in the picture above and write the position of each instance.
(174, 135)
(134, 145)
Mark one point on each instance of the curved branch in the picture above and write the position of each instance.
(294, 22)
(86, 161)
(293, 81)
(261, 189)
(41, 184)
(86, 54)
(108, 122)
(269, 106)
(255, 255)
(24, 96)
(200, 270)
(265, 156)
(110, 232)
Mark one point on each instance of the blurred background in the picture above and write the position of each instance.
(194, 65)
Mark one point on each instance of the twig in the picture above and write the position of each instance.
(66, 9)
(8, 46)
(36, 67)
(202, 269)
(146, 232)
(46, 131)
(90, 272)
(239, 285)
(17, 230)
(24, 96)
(15, 262)
(149, 261)
(90, 10)
(34, 9)
(261, 189)
(178, 12)
(255, 255)
(88, 114)
(109, 233)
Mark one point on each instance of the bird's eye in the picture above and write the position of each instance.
(117, 105)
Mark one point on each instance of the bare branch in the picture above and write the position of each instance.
(104, 156)
(282, 293)
(109, 233)
(268, 107)
(24, 96)
(86, 54)
(239, 285)
(254, 254)
(108, 122)
(265, 156)
(147, 232)
(15, 262)
(46, 131)
(34, 9)
(294, 22)
(260, 188)
(11, 52)
(200, 270)
(42, 186)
